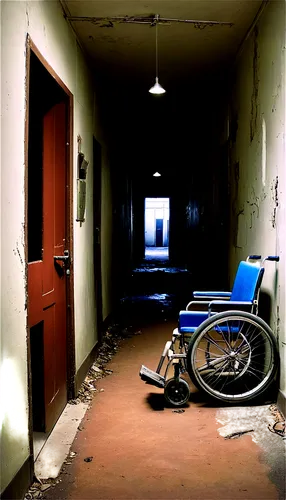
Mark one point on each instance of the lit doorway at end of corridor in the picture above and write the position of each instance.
(156, 228)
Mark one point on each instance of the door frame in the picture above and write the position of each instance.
(97, 176)
(70, 350)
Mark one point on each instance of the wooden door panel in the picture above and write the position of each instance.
(54, 364)
(49, 354)
(60, 350)
(46, 278)
(48, 200)
(60, 179)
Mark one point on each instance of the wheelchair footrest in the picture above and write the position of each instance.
(151, 377)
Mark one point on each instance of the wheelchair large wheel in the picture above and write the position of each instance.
(177, 391)
(233, 356)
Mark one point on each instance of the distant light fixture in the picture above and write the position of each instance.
(157, 88)
(156, 174)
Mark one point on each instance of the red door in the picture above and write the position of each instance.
(47, 277)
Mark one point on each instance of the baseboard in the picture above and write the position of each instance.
(281, 402)
(83, 370)
(20, 482)
(107, 322)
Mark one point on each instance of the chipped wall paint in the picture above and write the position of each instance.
(257, 160)
(45, 23)
(255, 86)
(275, 198)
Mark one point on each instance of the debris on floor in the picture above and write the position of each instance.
(68, 460)
(38, 488)
(110, 344)
(236, 435)
(278, 427)
(45, 486)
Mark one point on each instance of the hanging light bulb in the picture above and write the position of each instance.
(157, 88)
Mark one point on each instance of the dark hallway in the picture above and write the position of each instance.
(89, 317)
(191, 155)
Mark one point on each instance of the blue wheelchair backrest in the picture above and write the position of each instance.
(246, 286)
(247, 282)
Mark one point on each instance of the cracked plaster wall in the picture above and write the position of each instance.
(257, 159)
(44, 22)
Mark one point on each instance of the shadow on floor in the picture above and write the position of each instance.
(157, 402)
(155, 292)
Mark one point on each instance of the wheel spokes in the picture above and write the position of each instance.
(236, 353)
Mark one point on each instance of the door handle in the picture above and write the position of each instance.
(63, 258)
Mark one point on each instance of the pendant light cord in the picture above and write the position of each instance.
(157, 89)
(157, 17)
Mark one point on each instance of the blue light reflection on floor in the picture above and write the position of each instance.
(156, 290)
(156, 253)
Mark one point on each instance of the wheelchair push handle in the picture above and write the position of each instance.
(254, 257)
(272, 258)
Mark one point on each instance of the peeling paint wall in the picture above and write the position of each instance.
(44, 22)
(257, 159)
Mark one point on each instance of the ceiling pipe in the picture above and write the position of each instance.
(152, 20)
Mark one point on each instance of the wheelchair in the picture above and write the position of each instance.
(228, 351)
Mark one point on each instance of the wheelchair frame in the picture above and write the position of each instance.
(230, 354)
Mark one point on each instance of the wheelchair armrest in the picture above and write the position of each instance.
(229, 305)
(198, 305)
(212, 295)
(202, 305)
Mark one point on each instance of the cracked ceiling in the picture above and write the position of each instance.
(121, 50)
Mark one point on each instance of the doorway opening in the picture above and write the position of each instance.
(156, 226)
(48, 203)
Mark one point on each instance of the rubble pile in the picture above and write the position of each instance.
(279, 422)
(109, 346)
(38, 488)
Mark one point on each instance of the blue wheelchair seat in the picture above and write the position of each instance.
(189, 322)
(244, 296)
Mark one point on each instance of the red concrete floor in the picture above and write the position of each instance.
(142, 449)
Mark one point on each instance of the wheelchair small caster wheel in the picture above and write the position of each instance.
(177, 391)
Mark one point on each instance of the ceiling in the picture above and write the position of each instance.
(148, 132)
(122, 50)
